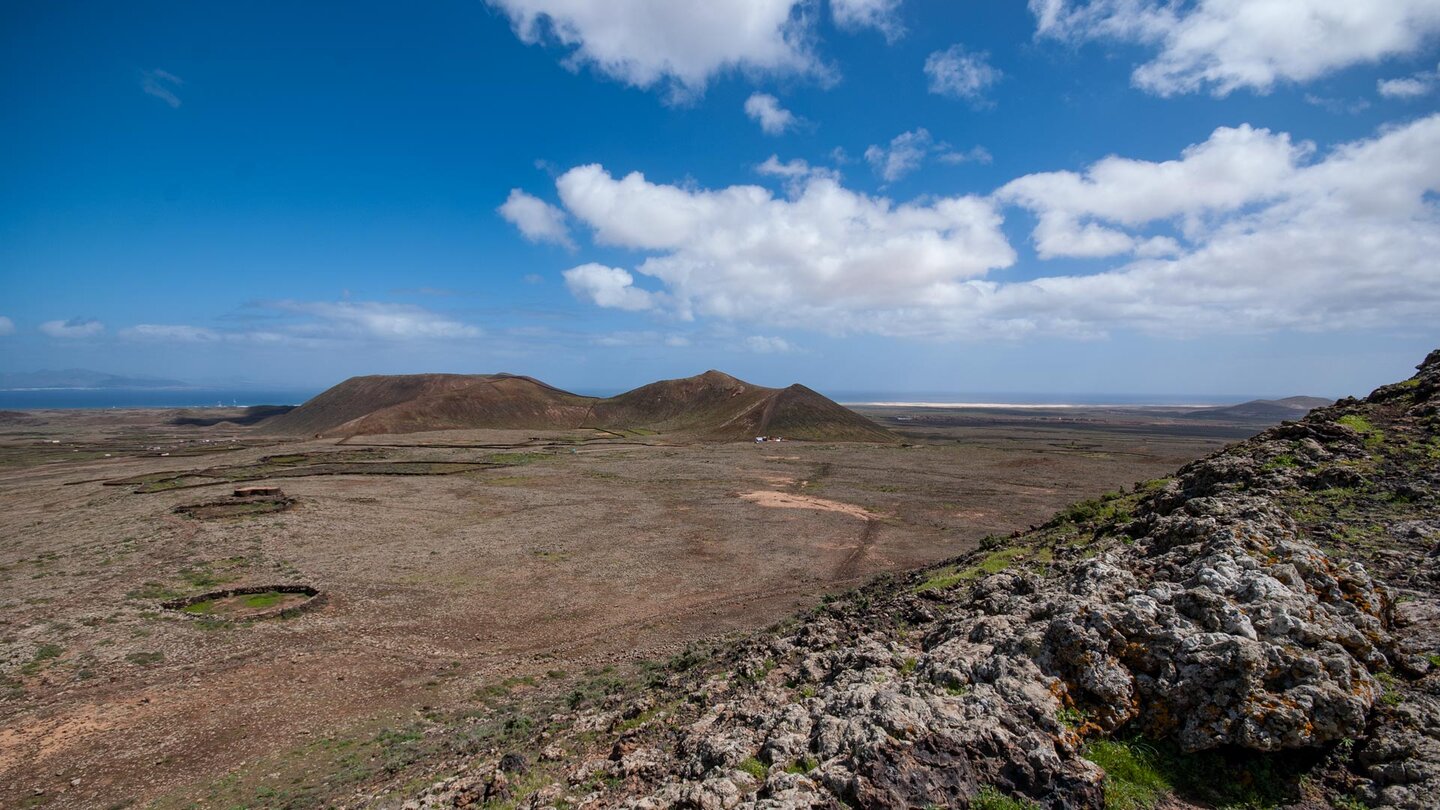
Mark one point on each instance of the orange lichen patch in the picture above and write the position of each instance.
(785, 500)
(1133, 651)
(1060, 690)
(1160, 721)
(1109, 718)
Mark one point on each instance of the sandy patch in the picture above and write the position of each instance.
(39, 739)
(784, 500)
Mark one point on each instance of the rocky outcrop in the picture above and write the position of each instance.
(1236, 607)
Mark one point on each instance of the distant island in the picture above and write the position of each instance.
(79, 378)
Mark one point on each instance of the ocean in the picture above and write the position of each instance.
(21, 399)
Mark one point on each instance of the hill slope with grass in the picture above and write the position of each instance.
(1259, 630)
(710, 406)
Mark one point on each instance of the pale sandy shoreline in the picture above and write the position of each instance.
(1026, 405)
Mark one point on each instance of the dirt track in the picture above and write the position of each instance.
(578, 553)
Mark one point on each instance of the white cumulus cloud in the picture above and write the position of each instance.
(904, 154)
(1412, 86)
(975, 154)
(73, 328)
(1234, 167)
(765, 110)
(761, 344)
(373, 319)
(678, 43)
(537, 220)
(1247, 231)
(7, 326)
(1225, 45)
(959, 73)
(608, 287)
(322, 324)
(175, 333)
(882, 15)
(741, 252)
(790, 169)
(1409, 87)
(907, 151)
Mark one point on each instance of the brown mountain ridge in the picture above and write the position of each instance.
(712, 407)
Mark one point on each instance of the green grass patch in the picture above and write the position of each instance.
(495, 691)
(261, 601)
(517, 458)
(759, 674)
(1281, 461)
(1072, 717)
(145, 659)
(44, 654)
(990, 798)
(1139, 773)
(1109, 507)
(1133, 777)
(802, 765)
(1373, 436)
(754, 767)
(692, 656)
(1389, 691)
(291, 458)
(638, 720)
(48, 651)
(1356, 422)
(992, 563)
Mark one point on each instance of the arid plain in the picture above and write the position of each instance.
(452, 565)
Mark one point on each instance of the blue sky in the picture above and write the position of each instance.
(1116, 196)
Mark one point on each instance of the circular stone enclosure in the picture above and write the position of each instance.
(249, 603)
(234, 508)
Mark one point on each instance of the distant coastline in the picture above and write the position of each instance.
(1034, 406)
(102, 397)
(21, 399)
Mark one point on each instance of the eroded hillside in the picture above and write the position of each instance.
(712, 406)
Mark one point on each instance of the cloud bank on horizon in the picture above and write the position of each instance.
(769, 175)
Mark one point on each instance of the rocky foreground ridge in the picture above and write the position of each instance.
(1259, 630)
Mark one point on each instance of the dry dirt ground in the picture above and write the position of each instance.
(537, 557)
